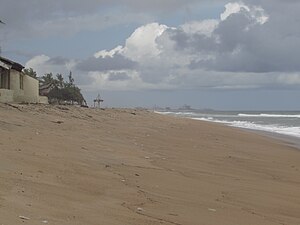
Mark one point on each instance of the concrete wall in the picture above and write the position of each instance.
(31, 89)
(43, 100)
(14, 80)
(5, 82)
(6, 95)
(15, 86)
(29, 93)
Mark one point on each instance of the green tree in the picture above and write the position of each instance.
(71, 79)
(60, 80)
(30, 72)
(47, 78)
(63, 92)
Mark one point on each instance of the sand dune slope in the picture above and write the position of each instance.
(68, 165)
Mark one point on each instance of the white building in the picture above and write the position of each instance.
(15, 86)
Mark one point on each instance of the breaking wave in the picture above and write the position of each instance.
(291, 131)
(270, 115)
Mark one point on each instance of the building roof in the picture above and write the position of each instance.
(12, 64)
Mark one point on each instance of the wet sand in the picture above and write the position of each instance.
(287, 139)
(68, 165)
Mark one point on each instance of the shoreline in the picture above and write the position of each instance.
(70, 165)
(291, 139)
(285, 139)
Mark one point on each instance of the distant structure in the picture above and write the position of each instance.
(185, 107)
(97, 102)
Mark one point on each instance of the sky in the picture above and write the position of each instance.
(217, 54)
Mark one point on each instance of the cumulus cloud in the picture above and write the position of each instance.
(249, 46)
(118, 76)
(116, 62)
(255, 12)
(205, 27)
(43, 64)
(141, 45)
(246, 39)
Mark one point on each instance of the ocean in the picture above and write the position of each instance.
(279, 122)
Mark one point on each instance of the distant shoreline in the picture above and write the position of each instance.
(289, 138)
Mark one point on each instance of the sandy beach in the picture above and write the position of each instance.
(69, 165)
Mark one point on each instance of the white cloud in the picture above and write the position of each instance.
(142, 44)
(36, 61)
(205, 27)
(102, 81)
(111, 53)
(256, 12)
(232, 8)
(43, 64)
(240, 50)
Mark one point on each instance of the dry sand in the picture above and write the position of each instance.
(68, 165)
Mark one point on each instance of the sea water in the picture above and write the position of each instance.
(280, 122)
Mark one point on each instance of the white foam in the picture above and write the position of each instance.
(270, 115)
(291, 131)
(274, 128)
(163, 113)
(178, 113)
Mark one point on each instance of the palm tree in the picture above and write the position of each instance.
(47, 78)
(60, 80)
(30, 72)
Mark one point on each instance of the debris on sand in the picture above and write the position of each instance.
(24, 218)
